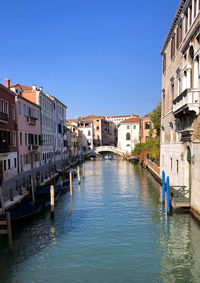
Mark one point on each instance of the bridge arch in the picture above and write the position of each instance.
(112, 149)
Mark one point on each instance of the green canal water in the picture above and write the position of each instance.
(114, 229)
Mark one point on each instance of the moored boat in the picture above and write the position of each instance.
(23, 211)
(107, 157)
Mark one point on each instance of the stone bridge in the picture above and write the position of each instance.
(112, 149)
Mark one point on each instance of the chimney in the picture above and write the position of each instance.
(33, 87)
(7, 83)
(41, 88)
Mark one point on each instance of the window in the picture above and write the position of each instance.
(4, 165)
(1, 106)
(177, 165)
(21, 139)
(164, 63)
(19, 108)
(146, 138)
(172, 90)
(171, 163)
(172, 47)
(24, 110)
(13, 111)
(186, 22)
(38, 115)
(134, 127)
(15, 162)
(195, 8)
(89, 134)
(25, 138)
(147, 125)
(128, 127)
(97, 127)
(128, 136)
(6, 107)
(14, 138)
(190, 8)
(8, 164)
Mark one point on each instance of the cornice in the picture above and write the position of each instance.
(190, 38)
(174, 22)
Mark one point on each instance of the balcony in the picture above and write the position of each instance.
(3, 118)
(188, 100)
(31, 120)
(33, 147)
(4, 148)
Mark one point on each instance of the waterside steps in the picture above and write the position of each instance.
(180, 197)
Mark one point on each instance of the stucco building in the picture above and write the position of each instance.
(28, 117)
(180, 132)
(8, 134)
(129, 134)
(146, 126)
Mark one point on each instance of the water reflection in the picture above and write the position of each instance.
(113, 229)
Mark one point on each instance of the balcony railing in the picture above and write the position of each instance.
(3, 117)
(31, 120)
(187, 100)
(33, 147)
(4, 148)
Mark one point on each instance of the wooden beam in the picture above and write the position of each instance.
(3, 232)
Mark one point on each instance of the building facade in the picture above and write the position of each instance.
(8, 134)
(180, 120)
(146, 128)
(60, 133)
(129, 134)
(37, 96)
(28, 117)
(87, 132)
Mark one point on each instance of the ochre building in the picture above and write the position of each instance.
(180, 121)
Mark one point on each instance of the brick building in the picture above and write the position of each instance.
(180, 119)
(8, 134)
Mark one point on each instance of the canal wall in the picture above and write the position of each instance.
(154, 170)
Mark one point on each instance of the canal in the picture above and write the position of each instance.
(113, 230)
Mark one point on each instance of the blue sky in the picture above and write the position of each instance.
(97, 56)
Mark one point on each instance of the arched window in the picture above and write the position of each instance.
(128, 136)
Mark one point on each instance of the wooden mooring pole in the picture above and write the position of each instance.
(32, 189)
(163, 187)
(79, 177)
(9, 231)
(52, 201)
(168, 197)
(1, 200)
(70, 183)
(7, 223)
(83, 171)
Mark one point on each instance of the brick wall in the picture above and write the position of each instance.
(153, 166)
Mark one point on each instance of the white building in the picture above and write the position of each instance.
(87, 129)
(60, 134)
(129, 134)
(118, 119)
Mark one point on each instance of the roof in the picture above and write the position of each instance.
(26, 87)
(176, 17)
(13, 85)
(122, 116)
(131, 120)
(7, 89)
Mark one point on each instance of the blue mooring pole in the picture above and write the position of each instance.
(168, 196)
(163, 186)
